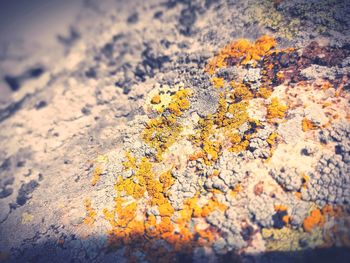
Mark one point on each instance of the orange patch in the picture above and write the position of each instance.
(155, 99)
(96, 176)
(91, 213)
(242, 50)
(280, 208)
(307, 125)
(313, 220)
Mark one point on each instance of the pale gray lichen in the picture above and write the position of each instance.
(288, 177)
(331, 183)
(261, 210)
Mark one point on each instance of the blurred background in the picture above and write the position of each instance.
(35, 20)
(28, 26)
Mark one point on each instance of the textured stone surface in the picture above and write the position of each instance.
(245, 191)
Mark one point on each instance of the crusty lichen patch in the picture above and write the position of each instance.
(177, 190)
(242, 51)
(90, 213)
(161, 132)
(276, 110)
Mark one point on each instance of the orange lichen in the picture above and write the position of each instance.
(283, 208)
(212, 205)
(326, 85)
(326, 104)
(280, 208)
(286, 219)
(96, 176)
(91, 213)
(197, 155)
(206, 236)
(242, 51)
(275, 110)
(156, 99)
(241, 91)
(126, 227)
(297, 195)
(307, 125)
(313, 220)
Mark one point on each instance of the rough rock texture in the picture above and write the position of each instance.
(179, 131)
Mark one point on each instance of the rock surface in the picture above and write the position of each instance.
(180, 131)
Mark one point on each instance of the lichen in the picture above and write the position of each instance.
(91, 213)
(307, 125)
(161, 132)
(313, 220)
(264, 92)
(169, 201)
(96, 175)
(276, 110)
(156, 99)
(218, 82)
(242, 51)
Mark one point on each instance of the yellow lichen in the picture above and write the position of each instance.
(234, 192)
(271, 140)
(288, 238)
(276, 110)
(238, 144)
(160, 133)
(26, 218)
(167, 180)
(216, 172)
(241, 92)
(230, 115)
(218, 82)
(280, 75)
(264, 92)
(180, 102)
(130, 161)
